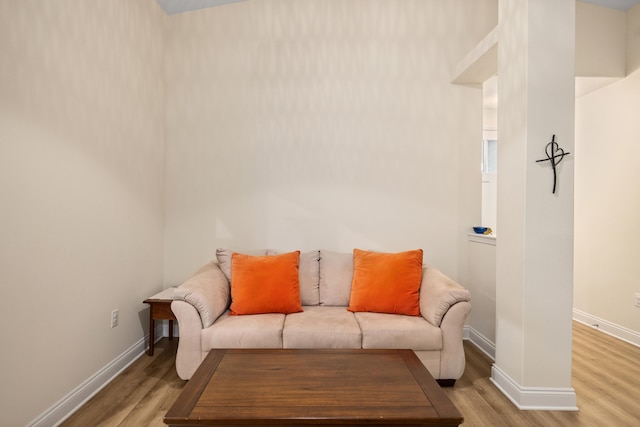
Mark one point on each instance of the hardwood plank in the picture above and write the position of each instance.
(606, 392)
(154, 405)
(135, 385)
(606, 374)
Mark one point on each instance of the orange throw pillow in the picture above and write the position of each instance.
(265, 284)
(386, 283)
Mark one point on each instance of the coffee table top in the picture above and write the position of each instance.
(300, 387)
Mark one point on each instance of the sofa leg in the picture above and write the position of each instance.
(446, 383)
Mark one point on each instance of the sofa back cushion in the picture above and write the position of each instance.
(336, 274)
(309, 271)
(224, 258)
(310, 278)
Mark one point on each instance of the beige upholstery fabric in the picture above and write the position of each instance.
(432, 360)
(321, 327)
(224, 258)
(208, 291)
(309, 271)
(381, 330)
(247, 331)
(437, 293)
(336, 275)
(310, 278)
(452, 326)
(189, 355)
(436, 336)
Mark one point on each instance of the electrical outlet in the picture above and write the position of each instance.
(114, 318)
(638, 300)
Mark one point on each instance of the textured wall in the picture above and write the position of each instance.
(81, 188)
(600, 41)
(482, 261)
(322, 124)
(607, 196)
(534, 253)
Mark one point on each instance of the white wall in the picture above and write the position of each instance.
(489, 132)
(482, 270)
(600, 41)
(633, 40)
(599, 291)
(81, 188)
(534, 254)
(608, 195)
(301, 124)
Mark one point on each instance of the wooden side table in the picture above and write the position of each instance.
(160, 309)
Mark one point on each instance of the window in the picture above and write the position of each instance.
(490, 152)
(489, 156)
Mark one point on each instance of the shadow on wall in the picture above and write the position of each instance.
(633, 39)
(319, 123)
(85, 85)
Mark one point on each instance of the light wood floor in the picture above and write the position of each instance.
(606, 377)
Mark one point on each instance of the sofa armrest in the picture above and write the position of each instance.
(437, 293)
(189, 355)
(452, 359)
(208, 291)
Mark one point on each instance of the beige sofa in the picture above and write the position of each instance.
(201, 307)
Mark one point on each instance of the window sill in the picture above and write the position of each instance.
(485, 239)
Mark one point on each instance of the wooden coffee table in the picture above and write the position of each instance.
(306, 387)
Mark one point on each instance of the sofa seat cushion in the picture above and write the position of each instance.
(248, 331)
(321, 327)
(381, 330)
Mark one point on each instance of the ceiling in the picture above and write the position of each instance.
(178, 6)
(615, 4)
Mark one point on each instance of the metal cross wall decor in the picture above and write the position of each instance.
(555, 154)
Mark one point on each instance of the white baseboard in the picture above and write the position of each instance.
(65, 407)
(609, 328)
(480, 341)
(527, 398)
(534, 398)
(523, 397)
(616, 331)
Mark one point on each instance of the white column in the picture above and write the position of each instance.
(534, 266)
